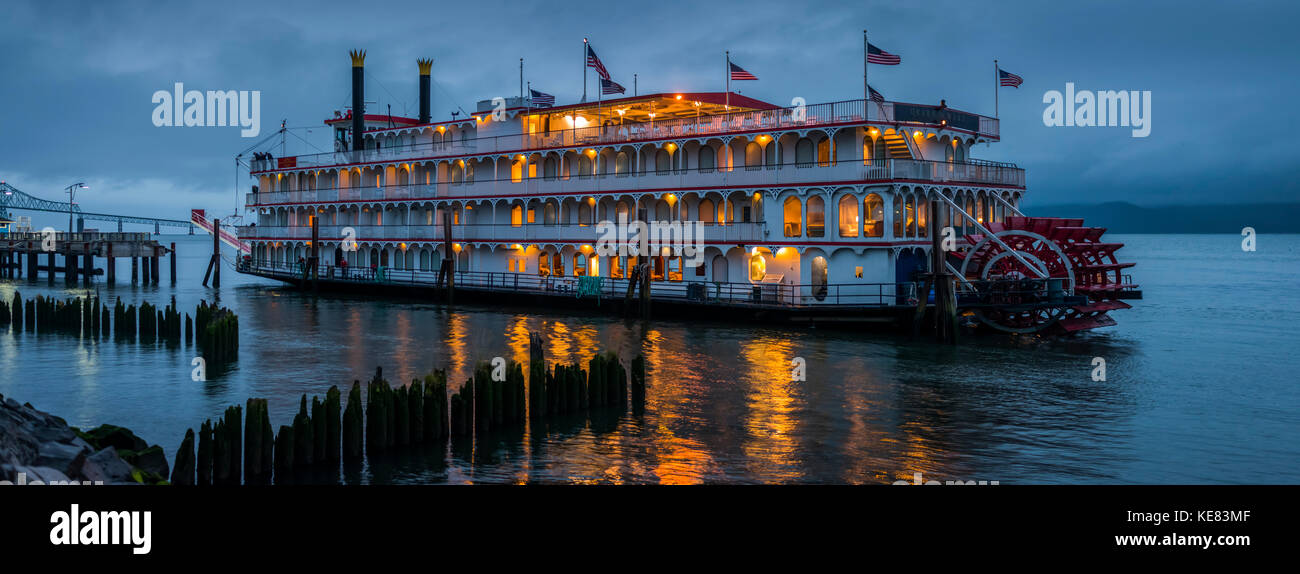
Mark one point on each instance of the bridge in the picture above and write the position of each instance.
(13, 198)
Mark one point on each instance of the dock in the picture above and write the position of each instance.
(73, 254)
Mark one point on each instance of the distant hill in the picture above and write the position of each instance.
(1124, 217)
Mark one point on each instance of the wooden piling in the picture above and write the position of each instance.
(171, 261)
(204, 464)
(303, 448)
(352, 424)
(332, 432)
(183, 470)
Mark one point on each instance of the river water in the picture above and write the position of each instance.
(1200, 383)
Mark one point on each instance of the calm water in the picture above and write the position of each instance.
(1201, 383)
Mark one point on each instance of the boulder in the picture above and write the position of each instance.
(66, 458)
(105, 466)
(117, 437)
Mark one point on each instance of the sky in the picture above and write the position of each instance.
(78, 80)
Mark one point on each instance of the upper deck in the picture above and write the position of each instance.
(525, 130)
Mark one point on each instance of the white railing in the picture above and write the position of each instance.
(766, 176)
(528, 233)
(848, 111)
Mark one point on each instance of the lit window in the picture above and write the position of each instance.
(757, 267)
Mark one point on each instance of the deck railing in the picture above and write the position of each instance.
(692, 289)
(833, 113)
(786, 174)
(525, 233)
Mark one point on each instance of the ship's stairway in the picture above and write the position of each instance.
(897, 146)
(202, 222)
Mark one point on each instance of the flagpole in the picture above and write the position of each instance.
(521, 78)
(727, 70)
(866, 93)
(530, 96)
(584, 72)
(995, 87)
(634, 94)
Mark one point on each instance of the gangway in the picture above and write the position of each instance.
(200, 220)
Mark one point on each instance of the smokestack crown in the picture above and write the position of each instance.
(358, 58)
(426, 66)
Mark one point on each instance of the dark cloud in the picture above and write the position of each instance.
(79, 77)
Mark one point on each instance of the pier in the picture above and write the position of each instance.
(73, 255)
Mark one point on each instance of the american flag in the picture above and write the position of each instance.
(608, 86)
(1008, 79)
(739, 73)
(875, 96)
(542, 99)
(594, 62)
(877, 56)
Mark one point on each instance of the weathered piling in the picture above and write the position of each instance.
(332, 412)
(318, 429)
(401, 417)
(204, 464)
(638, 384)
(183, 470)
(353, 424)
(436, 410)
(378, 401)
(415, 410)
(257, 441)
(284, 455)
(303, 449)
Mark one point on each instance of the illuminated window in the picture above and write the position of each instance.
(516, 215)
(532, 215)
(848, 215)
(874, 210)
(824, 152)
(819, 275)
(857, 272)
(816, 216)
(757, 267)
(793, 217)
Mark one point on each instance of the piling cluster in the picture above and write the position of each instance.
(89, 317)
(217, 331)
(392, 418)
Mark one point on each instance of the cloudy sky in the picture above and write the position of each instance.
(78, 78)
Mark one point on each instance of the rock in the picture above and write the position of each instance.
(43, 474)
(150, 459)
(66, 458)
(117, 437)
(105, 466)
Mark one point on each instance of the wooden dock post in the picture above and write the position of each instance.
(945, 296)
(87, 266)
(153, 267)
(135, 269)
(110, 265)
(33, 258)
(171, 256)
(69, 266)
(448, 257)
(313, 261)
(214, 264)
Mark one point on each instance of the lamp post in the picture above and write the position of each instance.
(72, 190)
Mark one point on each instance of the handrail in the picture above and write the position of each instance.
(831, 113)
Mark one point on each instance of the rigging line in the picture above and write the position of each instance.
(385, 89)
(304, 140)
(449, 96)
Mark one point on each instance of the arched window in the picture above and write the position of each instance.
(621, 163)
(517, 169)
(803, 153)
(720, 271)
(557, 265)
(898, 215)
(548, 214)
(516, 215)
(708, 158)
(549, 170)
(753, 156)
(793, 217)
(621, 211)
(866, 150)
(663, 161)
(824, 152)
(708, 211)
(816, 216)
(543, 263)
(584, 213)
(584, 165)
(457, 172)
(961, 153)
(579, 264)
(949, 152)
(819, 275)
(922, 216)
(757, 266)
(848, 215)
(910, 213)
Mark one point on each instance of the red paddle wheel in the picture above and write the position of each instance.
(1038, 273)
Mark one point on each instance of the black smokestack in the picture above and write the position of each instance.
(358, 98)
(426, 71)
